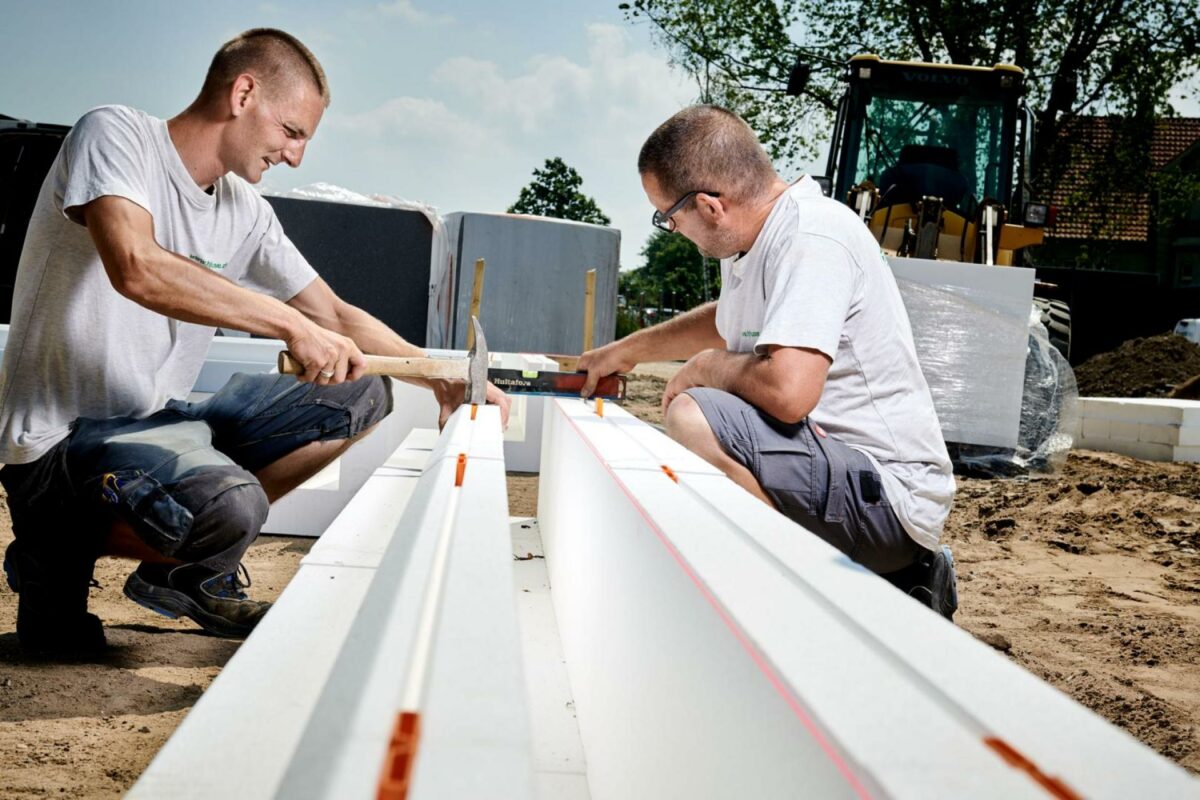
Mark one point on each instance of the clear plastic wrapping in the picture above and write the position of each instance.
(1049, 414)
(1005, 397)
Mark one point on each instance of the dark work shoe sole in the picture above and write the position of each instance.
(174, 604)
(944, 584)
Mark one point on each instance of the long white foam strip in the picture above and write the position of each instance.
(475, 725)
(717, 649)
(307, 706)
(266, 693)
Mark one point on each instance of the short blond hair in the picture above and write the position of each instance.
(274, 57)
(707, 148)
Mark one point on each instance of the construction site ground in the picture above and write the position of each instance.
(1089, 578)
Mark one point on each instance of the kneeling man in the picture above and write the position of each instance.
(802, 382)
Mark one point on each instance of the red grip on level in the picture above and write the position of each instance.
(460, 469)
(401, 753)
(1015, 759)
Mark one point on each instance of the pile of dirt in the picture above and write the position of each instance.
(1149, 367)
(1089, 578)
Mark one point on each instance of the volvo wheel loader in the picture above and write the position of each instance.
(935, 159)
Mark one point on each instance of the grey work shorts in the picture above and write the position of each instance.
(163, 473)
(825, 485)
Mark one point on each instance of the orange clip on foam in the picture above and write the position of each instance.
(462, 468)
(398, 762)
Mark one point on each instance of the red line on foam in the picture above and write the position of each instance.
(756, 656)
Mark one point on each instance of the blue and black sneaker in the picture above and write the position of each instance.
(213, 599)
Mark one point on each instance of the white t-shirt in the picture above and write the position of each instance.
(816, 278)
(77, 348)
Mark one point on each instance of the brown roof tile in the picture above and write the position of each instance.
(1120, 215)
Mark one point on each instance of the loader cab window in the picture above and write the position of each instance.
(910, 147)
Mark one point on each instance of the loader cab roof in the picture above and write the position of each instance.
(916, 129)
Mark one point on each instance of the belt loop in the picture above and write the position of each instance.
(835, 500)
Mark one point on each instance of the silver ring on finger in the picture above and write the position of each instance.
(327, 373)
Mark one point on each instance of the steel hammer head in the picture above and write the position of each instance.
(477, 367)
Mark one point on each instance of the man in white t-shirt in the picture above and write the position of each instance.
(801, 382)
(146, 236)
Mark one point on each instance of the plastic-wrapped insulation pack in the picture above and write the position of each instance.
(980, 357)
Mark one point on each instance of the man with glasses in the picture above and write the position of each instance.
(146, 236)
(801, 382)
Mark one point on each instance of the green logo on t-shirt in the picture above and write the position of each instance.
(750, 334)
(204, 262)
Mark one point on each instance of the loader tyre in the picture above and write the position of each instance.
(1056, 316)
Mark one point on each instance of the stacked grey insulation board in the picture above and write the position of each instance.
(533, 295)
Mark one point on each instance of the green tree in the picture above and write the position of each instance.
(1080, 56)
(673, 276)
(554, 192)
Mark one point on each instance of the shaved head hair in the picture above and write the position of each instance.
(277, 59)
(707, 148)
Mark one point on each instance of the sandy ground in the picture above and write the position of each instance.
(1089, 578)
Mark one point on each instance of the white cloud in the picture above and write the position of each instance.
(474, 141)
(413, 119)
(405, 10)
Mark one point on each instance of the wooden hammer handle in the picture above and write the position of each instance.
(453, 369)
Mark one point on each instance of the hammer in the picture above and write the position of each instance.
(474, 369)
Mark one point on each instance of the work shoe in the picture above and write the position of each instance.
(52, 616)
(931, 580)
(214, 600)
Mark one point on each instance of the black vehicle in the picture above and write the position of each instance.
(27, 149)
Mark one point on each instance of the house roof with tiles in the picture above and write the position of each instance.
(1116, 215)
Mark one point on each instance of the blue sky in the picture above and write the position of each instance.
(451, 103)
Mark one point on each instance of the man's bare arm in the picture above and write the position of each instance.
(786, 383)
(170, 284)
(679, 338)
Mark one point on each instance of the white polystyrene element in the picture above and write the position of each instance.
(244, 728)
(970, 326)
(474, 723)
(1153, 429)
(1029, 714)
(632, 443)
(789, 630)
(560, 768)
(229, 355)
(1148, 410)
(475, 738)
(667, 701)
(270, 687)
(353, 541)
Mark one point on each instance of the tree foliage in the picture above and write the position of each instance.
(674, 276)
(554, 192)
(1080, 56)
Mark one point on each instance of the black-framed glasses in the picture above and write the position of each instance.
(663, 221)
